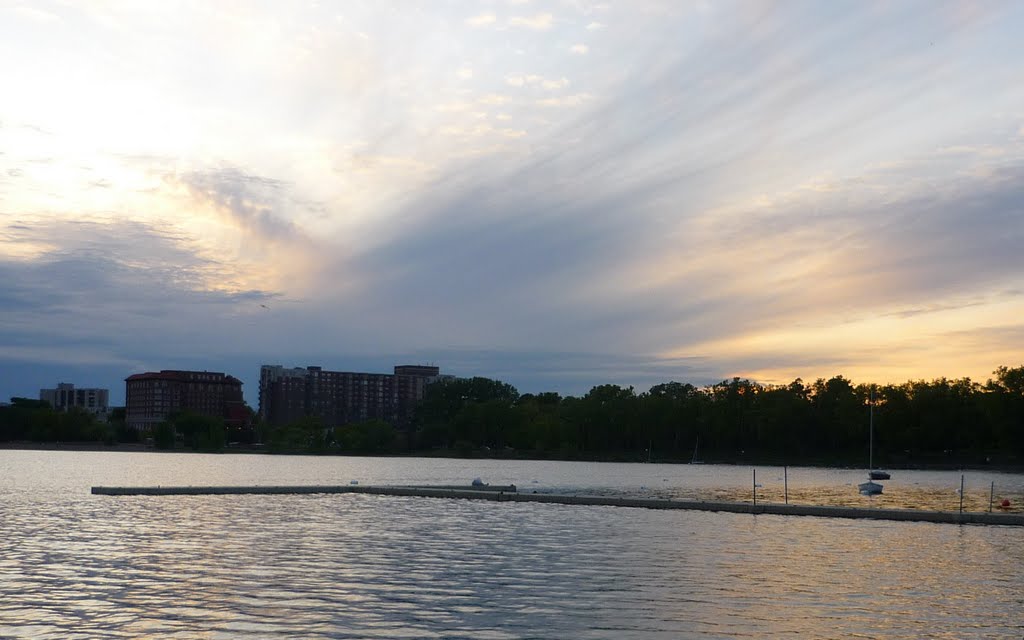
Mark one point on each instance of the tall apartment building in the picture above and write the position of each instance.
(66, 396)
(151, 397)
(340, 397)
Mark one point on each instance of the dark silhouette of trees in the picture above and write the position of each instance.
(372, 436)
(466, 412)
(197, 432)
(947, 422)
(1004, 407)
(35, 421)
(163, 436)
(308, 434)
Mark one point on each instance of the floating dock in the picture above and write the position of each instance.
(509, 494)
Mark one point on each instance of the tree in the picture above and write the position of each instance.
(121, 431)
(307, 434)
(199, 432)
(473, 410)
(538, 424)
(372, 436)
(607, 420)
(163, 435)
(1005, 408)
(669, 415)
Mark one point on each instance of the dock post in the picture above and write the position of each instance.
(785, 482)
(755, 487)
(961, 493)
(991, 495)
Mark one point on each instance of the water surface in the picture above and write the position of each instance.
(73, 565)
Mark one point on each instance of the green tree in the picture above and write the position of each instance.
(163, 435)
(608, 420)
(1004, 405)
(538, 425)
(669, 418)
(307, 434)
(372, 436)
(199, 432)
(472, 410)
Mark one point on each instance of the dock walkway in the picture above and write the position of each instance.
(509, 494)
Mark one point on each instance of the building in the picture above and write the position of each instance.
(66, 397)
(410, 384)
(341, 397)
(150, 398)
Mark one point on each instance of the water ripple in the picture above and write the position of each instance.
(361, 566)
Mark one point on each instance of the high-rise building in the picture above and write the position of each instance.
(152, 397)
(66, 396)
(340, 397)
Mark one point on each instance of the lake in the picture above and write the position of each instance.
(74, 565)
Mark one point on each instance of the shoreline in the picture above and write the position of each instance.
(454, 455)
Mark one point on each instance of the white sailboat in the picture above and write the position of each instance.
(872, 488)
(694, 459)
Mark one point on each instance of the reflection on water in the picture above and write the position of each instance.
(80, 566)
(912, 497)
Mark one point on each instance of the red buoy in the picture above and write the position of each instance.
(1005, 503)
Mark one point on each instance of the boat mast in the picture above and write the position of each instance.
(871, 429)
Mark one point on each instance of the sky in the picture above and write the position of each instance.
(556, 194)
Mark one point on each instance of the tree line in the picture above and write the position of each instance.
(942, 422)
(25, 419)
(29, 420)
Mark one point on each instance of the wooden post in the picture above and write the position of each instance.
(785, 482)
(991, 495)
(961, 493)
(755, 487)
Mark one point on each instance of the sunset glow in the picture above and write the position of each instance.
(557, 194)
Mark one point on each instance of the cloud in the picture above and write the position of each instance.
(519, 80)
(579, 49)
(110, 297)
(708, 280)
(539, 371)
(538, 22)
(104, 289)
(595, 26)
(482, 130)
(252, 201)
(574, 100)
(129, 263)
(718, 188)
(533, 80)
(34, 14)
(481, 20)
(493, 99)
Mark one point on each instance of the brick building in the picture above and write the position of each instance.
(341, 397)
(151, 397)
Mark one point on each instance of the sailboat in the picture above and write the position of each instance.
(872, 488)
(694, 459)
